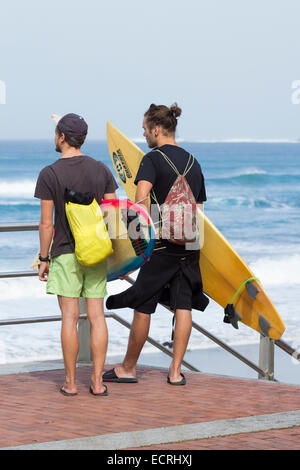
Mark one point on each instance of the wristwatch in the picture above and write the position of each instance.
(47, 259)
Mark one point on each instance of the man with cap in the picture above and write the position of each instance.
(65, 277)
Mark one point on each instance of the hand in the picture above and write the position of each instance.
(44, 271)
(124, 278)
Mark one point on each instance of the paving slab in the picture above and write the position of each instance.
(151, 412)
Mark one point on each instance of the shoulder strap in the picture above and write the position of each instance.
(189, 165)
(169, 161)
(63, 220)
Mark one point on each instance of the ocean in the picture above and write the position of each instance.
(253, 198)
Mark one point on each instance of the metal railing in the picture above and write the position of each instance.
(265, 369)
(83, 355)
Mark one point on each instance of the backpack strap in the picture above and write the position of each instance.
(187, 168)
(63, 220)
(169, 161)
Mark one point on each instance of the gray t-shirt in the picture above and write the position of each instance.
(80, 173)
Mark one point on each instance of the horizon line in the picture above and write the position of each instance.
(180, 140)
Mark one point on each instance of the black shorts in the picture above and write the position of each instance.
(174, 281)
(177, 293)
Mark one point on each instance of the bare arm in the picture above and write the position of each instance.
(109, 196)
(142, 192)
(46, 234)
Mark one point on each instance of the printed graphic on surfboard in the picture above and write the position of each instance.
(121, 166)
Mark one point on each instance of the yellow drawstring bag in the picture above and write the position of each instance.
(92, 242)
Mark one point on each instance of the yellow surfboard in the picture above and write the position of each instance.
(226, 277)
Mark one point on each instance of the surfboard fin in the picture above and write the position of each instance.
(252, 290)
(264, 326)
(231, 316)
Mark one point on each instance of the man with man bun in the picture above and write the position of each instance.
(172, 276)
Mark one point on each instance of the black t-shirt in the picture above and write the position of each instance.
(81, 173)
(156, 170)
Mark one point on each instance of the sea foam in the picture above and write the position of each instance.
(278, 271)
(17, 188)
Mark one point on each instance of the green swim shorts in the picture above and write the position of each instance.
(68, 278)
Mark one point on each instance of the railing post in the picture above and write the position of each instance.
(84, 333)
(266, 357)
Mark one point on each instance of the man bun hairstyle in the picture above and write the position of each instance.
(175, 110)
(160, 115)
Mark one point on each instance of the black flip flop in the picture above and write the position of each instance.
(67, 394)
(181, 382)
(111, 376)
(103, 394)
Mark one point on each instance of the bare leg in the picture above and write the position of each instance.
(182, 333)
(99, 340)
(69, 339)
(138, 335)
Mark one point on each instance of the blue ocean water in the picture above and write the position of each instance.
(253, 198)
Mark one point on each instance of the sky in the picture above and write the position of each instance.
(229, 64)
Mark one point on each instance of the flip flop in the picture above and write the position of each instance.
(103, 394)
(181, 382)
(111, 376)
(67, 394)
